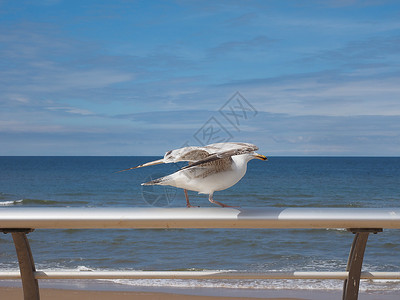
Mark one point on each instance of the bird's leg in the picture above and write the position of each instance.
(187, 198)
(210, 197)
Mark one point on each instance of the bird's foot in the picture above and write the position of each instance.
(187, 200)
(210, 198)
(224, 205)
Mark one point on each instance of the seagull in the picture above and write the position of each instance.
(211, 168)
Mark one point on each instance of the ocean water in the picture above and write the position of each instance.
(279, 182)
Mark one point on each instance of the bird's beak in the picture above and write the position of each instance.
(259, 156)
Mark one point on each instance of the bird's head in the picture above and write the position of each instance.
(254, 155)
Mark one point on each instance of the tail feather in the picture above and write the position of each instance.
(166, 180)
(158, 181)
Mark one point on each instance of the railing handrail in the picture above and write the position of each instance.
(154, 217)
(66, 274)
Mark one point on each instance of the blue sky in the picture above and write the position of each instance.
(143, 77)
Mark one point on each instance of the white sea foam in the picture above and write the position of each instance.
(337, 229)
(332, 285)
(366, 285)
(300, 284)
(12, 202)
(84, 268)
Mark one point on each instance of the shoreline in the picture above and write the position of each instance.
(14, 293)
(12, 290)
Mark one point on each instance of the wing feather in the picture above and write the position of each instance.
(234, 149)
(193, 154)
(190, 154)
(214, 156)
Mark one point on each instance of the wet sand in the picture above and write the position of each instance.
(12, 293)
(16, 293)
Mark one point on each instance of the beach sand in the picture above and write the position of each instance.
(16, 293)
(12, 293)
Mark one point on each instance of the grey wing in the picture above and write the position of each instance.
(225, 155)
(203, 155)
(194, 154)
(190, 154)
(220, 147)
(206, 168)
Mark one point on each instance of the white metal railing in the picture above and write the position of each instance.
(361, 221)
(213, 217)
(197, 275)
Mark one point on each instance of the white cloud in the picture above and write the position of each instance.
(318, 94)
(18, 98)
(22, 126)
(60, 80)
(71, 110)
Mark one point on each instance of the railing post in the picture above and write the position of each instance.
(354, 264)
(26, 264)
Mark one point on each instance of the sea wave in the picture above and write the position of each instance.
(10, 199)
(46, 202)
(7, 199)
(11, 202)
(366, 285)
(299, 284)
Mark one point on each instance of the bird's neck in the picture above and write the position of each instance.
(241, 161)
